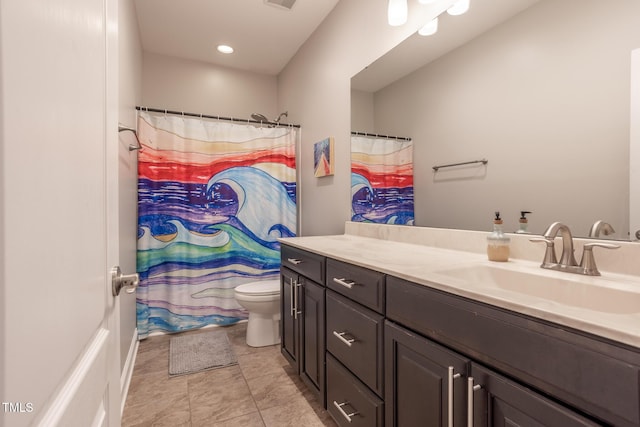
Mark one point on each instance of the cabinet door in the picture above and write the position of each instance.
(288, 315)
(418, 382)
(499, 402)
(312, 341)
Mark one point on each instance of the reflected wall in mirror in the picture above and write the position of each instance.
(541, 89)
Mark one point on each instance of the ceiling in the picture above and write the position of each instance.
(265, 37)
(454, 31)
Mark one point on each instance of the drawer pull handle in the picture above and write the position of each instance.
(344, 414)
(470, 389)
(451, 377)
(340, 336)
(294, 261)
(344, 282)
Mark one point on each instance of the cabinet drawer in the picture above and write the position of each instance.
(360, 284)
(350, 402)
(355, 337)
(306, 263)
(598, 377)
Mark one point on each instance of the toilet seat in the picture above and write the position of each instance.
(262, 288)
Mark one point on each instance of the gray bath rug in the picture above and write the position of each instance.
(197, 352)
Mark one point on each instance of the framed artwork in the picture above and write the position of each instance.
(323, 157)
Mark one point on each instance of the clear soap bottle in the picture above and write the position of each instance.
(497, 242)
(523, 223)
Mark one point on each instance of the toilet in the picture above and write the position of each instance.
(262, 301)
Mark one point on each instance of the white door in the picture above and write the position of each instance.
(58, 213)
(634, 149)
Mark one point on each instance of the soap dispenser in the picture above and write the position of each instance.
(523, 222)
(497, 242)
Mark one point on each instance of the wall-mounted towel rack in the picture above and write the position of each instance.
(131, 147)
(483, 161)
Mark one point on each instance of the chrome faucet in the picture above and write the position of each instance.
(601, 226)
(567, 259)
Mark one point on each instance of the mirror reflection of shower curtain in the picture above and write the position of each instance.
(382, 180)
(213, 197)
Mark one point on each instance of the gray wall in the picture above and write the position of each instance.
(315, 88)
(197, 87)
(544, 97)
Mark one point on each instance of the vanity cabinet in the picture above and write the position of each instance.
(527, 371)
(355, 339)
(403, 354)
(302, 308)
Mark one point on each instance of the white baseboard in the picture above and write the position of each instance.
(127, 371)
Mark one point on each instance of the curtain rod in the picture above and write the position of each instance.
(205, 116)
(375, 135)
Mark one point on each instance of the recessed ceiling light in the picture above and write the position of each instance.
(223, 48)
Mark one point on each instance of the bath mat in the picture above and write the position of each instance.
(198, 352)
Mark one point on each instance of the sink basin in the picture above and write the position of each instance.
(569, 292)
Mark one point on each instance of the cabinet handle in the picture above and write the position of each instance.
(294, 261)
(344, 414)
(291, 296)
(470, 389)
(451, 376)
(344, 282)
(295, 297)
(340, 336)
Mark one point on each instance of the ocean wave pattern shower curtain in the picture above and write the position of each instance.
(213, 198)
(382, 180)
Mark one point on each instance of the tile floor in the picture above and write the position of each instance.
(261, 391)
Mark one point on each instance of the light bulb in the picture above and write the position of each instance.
(426, 1)
(430, 28)
(223, 48)
(459, 7)
(397, 12)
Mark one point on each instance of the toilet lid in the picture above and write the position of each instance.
(264, 287)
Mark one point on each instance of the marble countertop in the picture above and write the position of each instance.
(428, 265)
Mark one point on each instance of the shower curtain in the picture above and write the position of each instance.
(213, 197)
(381, 180)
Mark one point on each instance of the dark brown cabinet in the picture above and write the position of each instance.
(380, 350)
(548, 375)
(289, 325)
(497, 401)
(302, 324)
(312, 344)
(425, 383)
(354, 336)
(430, 385)
(349, 401)
(355, 339)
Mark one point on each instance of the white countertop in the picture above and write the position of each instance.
(423, 265)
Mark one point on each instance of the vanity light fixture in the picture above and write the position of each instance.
(223, 48)
(458, 8)
(430, 28)
(398, 12)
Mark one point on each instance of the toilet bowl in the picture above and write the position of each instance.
(262, 301)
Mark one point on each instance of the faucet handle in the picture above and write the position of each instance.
(549, 253)
(588, 263)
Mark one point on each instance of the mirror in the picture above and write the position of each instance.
(540, 89)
